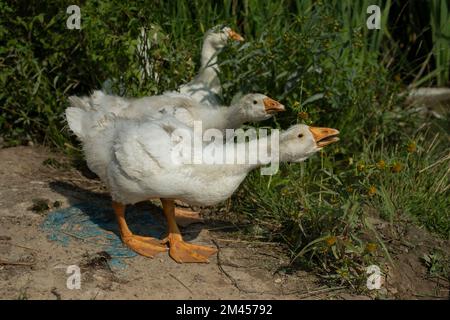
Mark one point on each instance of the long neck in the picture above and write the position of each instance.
(209, 69)
(221, 117)
(234, 116)
(248, 155)
(236, 159)
(209, 55)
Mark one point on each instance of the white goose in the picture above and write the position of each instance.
(205, 87)
(136, 160)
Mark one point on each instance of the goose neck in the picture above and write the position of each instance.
(209, 56)
(234, 116)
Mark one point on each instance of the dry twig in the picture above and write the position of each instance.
(181, 282)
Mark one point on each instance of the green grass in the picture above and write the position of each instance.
(440, 26)
(322, 209)
(317, 57)
(421, 187)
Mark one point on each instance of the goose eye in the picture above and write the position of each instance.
(300, 135)
(255, 102)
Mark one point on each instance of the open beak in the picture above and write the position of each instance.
(235, 36)
(324, 136)
(272, 106)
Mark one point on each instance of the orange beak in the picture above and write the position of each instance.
(272, 106)
(235, 36)
(324, 136)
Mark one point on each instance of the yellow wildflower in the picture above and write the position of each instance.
(360, 167)
(381, 164)
(331, 240)
(372, 190)
(303, 115)
(371, 247)
(411, 147)
(397, 167)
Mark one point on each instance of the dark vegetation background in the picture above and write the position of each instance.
(317, 57)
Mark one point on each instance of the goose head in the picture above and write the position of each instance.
(301, 141)
(218, 37)
(257, 107)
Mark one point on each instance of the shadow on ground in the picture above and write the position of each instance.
(90, 218)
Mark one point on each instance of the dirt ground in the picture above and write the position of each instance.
(33, 267)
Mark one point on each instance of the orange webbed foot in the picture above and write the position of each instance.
(183, 252)
(145, 246)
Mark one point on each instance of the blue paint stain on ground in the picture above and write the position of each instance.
(97, 225)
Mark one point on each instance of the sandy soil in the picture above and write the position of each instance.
(33, 267)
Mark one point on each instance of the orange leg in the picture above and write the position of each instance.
(186, 217)
(182, 251)
(145, 246)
